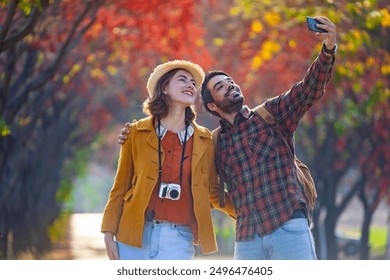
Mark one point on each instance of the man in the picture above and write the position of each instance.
(271, 210)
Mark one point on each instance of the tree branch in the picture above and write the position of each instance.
(15, 105)
(7, 23)
(26, 30)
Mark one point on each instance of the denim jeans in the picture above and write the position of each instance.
(161, 241)
(291, 241)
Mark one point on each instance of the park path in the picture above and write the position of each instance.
(86, 240)
(87, 243)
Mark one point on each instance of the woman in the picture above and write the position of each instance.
(159, 205)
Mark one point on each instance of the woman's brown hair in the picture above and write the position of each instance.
(157, 105)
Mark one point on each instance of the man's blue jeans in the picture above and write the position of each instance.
(161, 241)
(292, 241)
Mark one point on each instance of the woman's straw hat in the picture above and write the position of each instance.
(195, 70)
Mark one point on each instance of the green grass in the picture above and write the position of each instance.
(378, 240)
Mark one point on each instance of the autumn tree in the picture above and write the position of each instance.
(32, 145)
(62, 81)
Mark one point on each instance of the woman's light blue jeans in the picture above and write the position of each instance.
(161, 241)
(292, 241)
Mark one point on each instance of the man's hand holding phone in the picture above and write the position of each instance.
(312, 25)
(324, 27)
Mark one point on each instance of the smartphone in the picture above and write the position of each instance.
(311, 24)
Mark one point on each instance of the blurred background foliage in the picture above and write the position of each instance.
(72, 72)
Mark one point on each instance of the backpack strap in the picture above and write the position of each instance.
(221, 187)
(269, 118)
(265, 114)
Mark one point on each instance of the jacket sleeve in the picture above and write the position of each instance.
(214, 194)
(122, 183)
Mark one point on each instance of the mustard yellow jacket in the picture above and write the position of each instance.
(137, 174)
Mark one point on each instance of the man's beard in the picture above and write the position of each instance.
(229, 106)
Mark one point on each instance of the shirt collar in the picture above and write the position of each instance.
(245, 112)
(181, 134)
(243, 115)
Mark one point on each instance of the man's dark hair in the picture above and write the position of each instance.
(205, 92)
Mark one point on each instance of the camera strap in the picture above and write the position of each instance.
(159, 152)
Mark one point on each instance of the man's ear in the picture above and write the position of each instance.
(212, 106)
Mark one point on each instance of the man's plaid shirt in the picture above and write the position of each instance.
(258, 168)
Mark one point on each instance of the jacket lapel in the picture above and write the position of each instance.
(147, 124)
(199, 146)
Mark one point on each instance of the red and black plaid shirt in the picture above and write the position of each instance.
(258, 168)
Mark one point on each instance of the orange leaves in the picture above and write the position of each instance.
(257, 26)
(151, 29)
(272, 18)
(268, 49)
(385, 21)
(128, 38)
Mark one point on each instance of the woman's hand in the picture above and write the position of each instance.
(111, 247)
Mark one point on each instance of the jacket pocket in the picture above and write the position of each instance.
(128, 195)
(134, 181)
(130, 192)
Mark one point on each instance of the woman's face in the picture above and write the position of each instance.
(181, 88)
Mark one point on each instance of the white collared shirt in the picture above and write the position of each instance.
(181, 134)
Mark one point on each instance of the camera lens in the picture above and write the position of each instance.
(174, 194)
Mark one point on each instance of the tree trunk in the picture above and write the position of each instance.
(320, 238)
(4, 228)
(364, 240)
(331, 242)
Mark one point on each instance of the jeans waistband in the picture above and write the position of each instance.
(164, 223)
(298, 213)
(161, 222)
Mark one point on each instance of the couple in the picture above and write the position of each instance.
(166, 181)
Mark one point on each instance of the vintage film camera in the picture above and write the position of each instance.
(170, 191)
